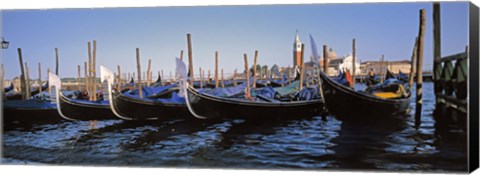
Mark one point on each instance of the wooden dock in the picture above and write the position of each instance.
(450, 76)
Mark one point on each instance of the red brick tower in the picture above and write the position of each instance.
(297, 51)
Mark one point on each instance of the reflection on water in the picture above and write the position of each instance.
(309, 142)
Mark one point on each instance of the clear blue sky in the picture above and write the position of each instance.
(160, 33)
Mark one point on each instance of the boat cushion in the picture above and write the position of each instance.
(391, 92)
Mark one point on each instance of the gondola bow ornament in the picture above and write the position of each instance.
(316, 56)
(182, 76)
(106, 75)
(54, 86)
(54, 81)
(183, 84)
(314, 50)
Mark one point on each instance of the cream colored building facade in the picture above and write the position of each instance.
(393, 66)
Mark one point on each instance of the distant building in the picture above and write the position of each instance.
(334, 64)
(343, 63)
(393, 66)
(331, 55)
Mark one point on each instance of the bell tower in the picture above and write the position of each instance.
(297, 51)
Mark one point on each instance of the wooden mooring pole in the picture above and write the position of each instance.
(94, 71)
(149, 78)
(325, 59)
(22, 76)
(201, 78)
(190, 59)
(27, 82)
(382, 69)
(85, 80)
(139, 72)
(56, 61)
(421, 33)
(255, 69)
(79, 77)
(353, 63)
(181, 55)
(216, 70)
(437, 48)
(412, 65)
(39, 78)
(90, 96)
(48, 73)
(234, 77)
(247, 76)
(301, 69)
(288, 73)
(163, 78)
(208, 76)
(223, 84)
(119, 80)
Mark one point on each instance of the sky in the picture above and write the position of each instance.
(160, 32)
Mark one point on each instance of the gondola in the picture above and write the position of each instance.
(359, 106)
(76, 109)
(346, 103)
(131, 107)
(34, 109)
(206, 106)
(18, 96)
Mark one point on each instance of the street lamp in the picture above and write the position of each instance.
(5, 43)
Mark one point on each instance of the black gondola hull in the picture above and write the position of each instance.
(25, 114)
(137, 109)
(82, 111)
(215, 107)
(347, 104)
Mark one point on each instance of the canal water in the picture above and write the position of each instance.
(312, 143)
